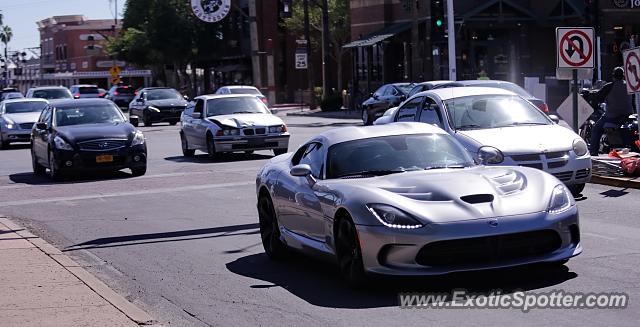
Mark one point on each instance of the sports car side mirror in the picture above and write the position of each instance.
(41, 126)
(301, 170)
(554, 118)
(196, 115)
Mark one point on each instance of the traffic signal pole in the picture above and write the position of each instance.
(452, 41)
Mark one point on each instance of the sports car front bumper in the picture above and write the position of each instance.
(471, 245)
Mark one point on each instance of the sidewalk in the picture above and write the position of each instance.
(340, 114)
(40, 286)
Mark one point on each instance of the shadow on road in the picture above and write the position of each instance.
(326, 124)
(319, 283)
(183, 235)
(614, 193)
(204, 159)
(33, 179)
(17, 146)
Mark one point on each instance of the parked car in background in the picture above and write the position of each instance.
(515, 88)
(49, 92)
(407, 199)
(17, 117)
(387, 96)
(225, 123)
(86, 135)
(425, 86)
(102, 93)
(499, 127)
(243, 89)
(85, 91)
(157, 104)
(121, 95)
(11, 95)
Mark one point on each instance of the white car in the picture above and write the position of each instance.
(17, 117)
(498, 127)
(243, 89)
(218, 124)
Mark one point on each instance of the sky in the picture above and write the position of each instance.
(22, 15)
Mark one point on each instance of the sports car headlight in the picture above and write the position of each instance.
(138, 138)
(393, 217)
(560, 200)
(580, 147)
(153, 108)
(62, 144)
(278, 129)
(489, 154)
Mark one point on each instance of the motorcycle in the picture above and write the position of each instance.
(622, 134)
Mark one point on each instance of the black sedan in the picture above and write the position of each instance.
(387, 96)
(86, 135)
(157, 104)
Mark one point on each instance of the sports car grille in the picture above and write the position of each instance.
(102, 145)
(26, 125)
(489, 249)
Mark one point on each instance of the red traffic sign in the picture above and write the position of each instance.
(574, 47)
(631, 59)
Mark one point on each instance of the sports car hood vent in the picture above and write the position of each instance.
(477, 198)
(508, 181)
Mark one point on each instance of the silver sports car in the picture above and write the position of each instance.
(230, 123)
(407, 199)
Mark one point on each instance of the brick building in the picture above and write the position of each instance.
(508, 39)
(73, 52)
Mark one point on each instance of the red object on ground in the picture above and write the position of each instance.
(631, 166)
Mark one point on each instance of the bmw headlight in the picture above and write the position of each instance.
(580, 147)
(138, 138)
(231, 131)
(560, 200)
(278, 129)
(393, 217)
(9, 123)
(491, 155)
(62, 144)
(154, 108)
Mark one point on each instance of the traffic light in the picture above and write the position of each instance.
(286, 8)
(437, 21)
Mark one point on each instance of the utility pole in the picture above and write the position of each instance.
(325, 49)
(255, 54)
(312, 98)
(451, 28)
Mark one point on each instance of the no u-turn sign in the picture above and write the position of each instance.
(574, 47)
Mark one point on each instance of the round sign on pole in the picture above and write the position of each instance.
(575, 47)
(631, 60)
(211, 11)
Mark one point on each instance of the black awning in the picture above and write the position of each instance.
(380, 35)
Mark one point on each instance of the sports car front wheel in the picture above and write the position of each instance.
(349, 253)
(269, 230)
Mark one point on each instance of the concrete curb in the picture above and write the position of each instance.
(326, 114)
(118, 301)
(624, 182)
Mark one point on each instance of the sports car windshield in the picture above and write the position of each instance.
(238, 105)
(395, 154)
(493, 111)
(94, 114)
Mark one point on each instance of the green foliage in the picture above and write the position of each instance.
(6, 34)
(132, 45)
(331, 103)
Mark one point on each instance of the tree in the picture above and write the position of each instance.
(5, 37)
(339, 28)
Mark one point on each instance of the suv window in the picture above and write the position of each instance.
(409, 110)
(430, 113)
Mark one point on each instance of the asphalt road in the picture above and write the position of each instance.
(182, 242)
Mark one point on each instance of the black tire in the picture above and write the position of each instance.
(576, 189)
(270, 231)
(366, 118)
(139, 171)
(349, 254)
(54, 173)
(278, 152)
(146, 119)
(211, 148)
(185, 147)
(38, 169)
(132, 123)
(4, 144)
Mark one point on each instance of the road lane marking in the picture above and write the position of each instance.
(129, 193)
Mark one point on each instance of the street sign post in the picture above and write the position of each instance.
(631, 60)
(114, 71)
(565, 110)
(574, 50)
(301, 54)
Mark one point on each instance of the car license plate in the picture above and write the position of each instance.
(256, 142)
(104, 158)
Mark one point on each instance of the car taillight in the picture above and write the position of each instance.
(543, 106)
(284, 128)
(101, 95)
(264, 100)
(77, 95)
(116, 93)
(135, 93)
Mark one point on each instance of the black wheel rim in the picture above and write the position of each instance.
(348, 253)
(268, 224)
